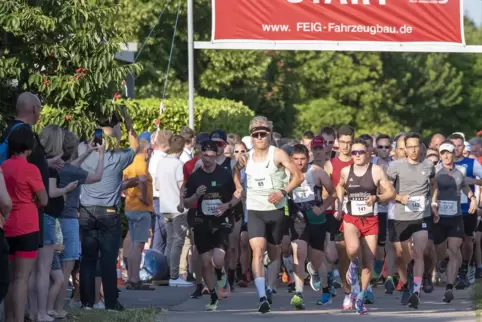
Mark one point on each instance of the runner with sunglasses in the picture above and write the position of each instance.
(365, 184)
(266, 197)
(416, 200)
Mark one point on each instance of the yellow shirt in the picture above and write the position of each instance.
(133, 195)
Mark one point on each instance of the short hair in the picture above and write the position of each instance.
(366, 137)
(70, 146)
(260, 120)
(144, 145)
(188, 134)
(161, 138)
(476, 141)
(399, 135)
(412, 135)
(308, 135)
(233, 138)
(20, 140)
(456, 136)
(381, 137)
(300, 149)
(328, 131)
(176, 144)
(346, 130)
(361, 141)
(242, 143)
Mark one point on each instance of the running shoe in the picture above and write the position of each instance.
(333, 291)
(297, 301)
(324, 299)
(291, 288)
(471, 274)
(315, 281)
(264, 306)
(389, 285)
(221, 279)
(348, 302)
(269, 295)
(427, 284)
(198, 292)
(224, 291)
(212, 306)
(414, 300)
(360, 304)
(369, 297)
(405, 296)
(448, 296)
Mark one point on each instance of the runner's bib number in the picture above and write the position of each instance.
(360, 208)
(209, 206)
(447, 208)
(260, 183)
(415, 204)
(304, 193)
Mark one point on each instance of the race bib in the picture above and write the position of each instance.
(447, 208)
(303, 193)
(209, 206)
(463, 198)
(360, 208)
(260, 183)
(415, 204)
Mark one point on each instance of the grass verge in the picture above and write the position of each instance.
(477, 298)
(129, 315)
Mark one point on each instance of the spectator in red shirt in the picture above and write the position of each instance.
(27, 191)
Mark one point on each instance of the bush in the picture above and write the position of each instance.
(209, 114)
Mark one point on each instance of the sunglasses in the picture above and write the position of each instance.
(239, 151)
(330, 142)
(358, 152)
(386, 147)
(259, 135)
(220, 144)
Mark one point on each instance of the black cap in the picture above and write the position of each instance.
(209, 145)
(218, 134)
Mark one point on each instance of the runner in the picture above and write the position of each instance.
(361, 183)
(414, 181)
(212, 188)
(308, 225)
(333, 167)
(448, 229)
(473, 169)
(265, 201)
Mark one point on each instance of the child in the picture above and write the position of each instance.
(56, 274)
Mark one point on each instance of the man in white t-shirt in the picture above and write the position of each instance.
(190, 141)
(160, 145)
(168, 181)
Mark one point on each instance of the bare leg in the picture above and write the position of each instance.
(44, 266)
(57, 278)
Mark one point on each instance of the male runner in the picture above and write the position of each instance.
(333, 167)
(473, 169)
(212, 188)
(362, 182)
(308, 224)
(414, 181)
(448, 232)
(265, 201)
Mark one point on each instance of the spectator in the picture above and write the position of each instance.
(233, 138)
(190, 141)
(138, 209)
(22, 229)
(100, 221)
(168, 181)
(160, 145)
(56, 274)
(70, 222)
(51, 139)
(5, 208)
(229, 150)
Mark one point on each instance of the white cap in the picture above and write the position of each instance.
(468, 146)
(446, 147)
(247, 141)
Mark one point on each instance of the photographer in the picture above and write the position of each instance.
(100, 220)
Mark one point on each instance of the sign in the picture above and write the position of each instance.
(421, 21)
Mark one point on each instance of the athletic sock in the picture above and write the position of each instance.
(260, 286)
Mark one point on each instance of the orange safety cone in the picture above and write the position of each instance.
(120, 280)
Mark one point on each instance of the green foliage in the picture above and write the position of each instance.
(63, 50)
(210, 114)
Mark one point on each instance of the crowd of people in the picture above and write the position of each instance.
(348, 211)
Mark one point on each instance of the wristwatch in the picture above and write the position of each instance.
(285, 194)
(473, 197)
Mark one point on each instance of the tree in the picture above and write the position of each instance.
(64, 50)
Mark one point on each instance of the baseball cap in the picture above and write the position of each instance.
(318, 142)
(219, 135)
(247, 141)
(145, 136)
(209, 145)
(446, 147)
(468, 146)
(201, 138)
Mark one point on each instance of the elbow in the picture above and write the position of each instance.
(43, 202)
(7, 205)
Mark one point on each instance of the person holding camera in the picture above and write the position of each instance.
(99, 219)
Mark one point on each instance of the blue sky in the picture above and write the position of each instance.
(473, 9)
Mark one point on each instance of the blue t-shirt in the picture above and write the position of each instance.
(473, 169)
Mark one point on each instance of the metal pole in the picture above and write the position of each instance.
(190, 54)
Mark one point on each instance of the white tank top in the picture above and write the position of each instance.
(263, 178)
(306, 191)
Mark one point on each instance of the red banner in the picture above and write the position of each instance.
(428, 21)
